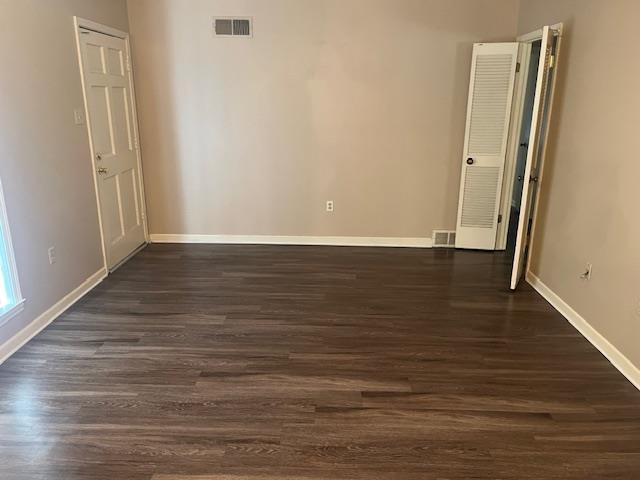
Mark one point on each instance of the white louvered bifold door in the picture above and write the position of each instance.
(493, 72)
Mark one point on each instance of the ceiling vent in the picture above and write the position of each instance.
(232, 27)
(444, 239)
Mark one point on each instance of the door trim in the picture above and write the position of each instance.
(558, 31)
(524, 58)
(505, 203)
(83, 23)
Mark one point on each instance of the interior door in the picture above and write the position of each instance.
(493, 72)
(533, 165)
(108, 90)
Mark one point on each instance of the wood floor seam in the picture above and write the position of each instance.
(250, 362)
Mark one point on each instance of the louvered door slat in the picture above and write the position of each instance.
(491, 95)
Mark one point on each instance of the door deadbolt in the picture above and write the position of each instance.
(470, 161)
(98, 156)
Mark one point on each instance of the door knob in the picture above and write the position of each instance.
(534, 179)
(520, 178)
(470, 161)
(102, 170)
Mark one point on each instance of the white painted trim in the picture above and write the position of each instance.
(98, 27)
(295, 240)
(526, 41)
(16, 293)
(80, 23)
(617, 358)
(557, 30)
(11, 312)
(136, 131)
(531, 36)
(535, 157)
(517, 118)
(537, 34)
(27, 333)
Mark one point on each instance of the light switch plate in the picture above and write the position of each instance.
(78, 116)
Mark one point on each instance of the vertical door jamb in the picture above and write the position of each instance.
(526, 40)
(524, 59)
(529, 38)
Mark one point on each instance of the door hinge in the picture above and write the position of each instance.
(552, 61)
(500, 218)
(136, 145)
(517, 67)
(128, 63)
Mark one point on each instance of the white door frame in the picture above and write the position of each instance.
(524, 58)
(558, 28)
(79, 23)
(516, 127)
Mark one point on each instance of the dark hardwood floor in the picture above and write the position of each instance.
(282, 363)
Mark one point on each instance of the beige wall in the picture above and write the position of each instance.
(44, 157)
(359, 101)
(591, 192)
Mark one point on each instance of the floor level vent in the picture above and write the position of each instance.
(444, 239)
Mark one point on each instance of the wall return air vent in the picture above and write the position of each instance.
(444, 239)
(232, 27)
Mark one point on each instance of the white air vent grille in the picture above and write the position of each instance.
(480, 196)
(444, 239)
(490, 102)
(232, 27)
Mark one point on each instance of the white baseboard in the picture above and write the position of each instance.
(617, 358)
(27, 333)
(295, 240)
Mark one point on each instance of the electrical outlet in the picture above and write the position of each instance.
(587, 272)
(52, 255)
(329, 205)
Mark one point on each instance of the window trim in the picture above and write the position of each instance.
(14, 284)
(12, 312)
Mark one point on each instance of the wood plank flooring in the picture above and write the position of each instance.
(279, 363)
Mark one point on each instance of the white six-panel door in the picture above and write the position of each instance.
(491, 88)
(111, 120)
